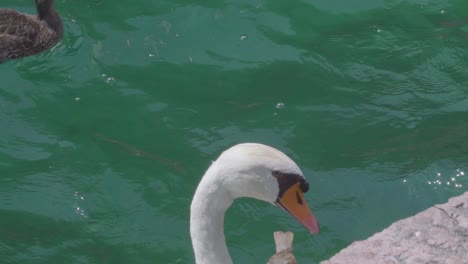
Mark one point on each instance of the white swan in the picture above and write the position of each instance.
(245, 170)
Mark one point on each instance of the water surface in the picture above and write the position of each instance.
(104, 139)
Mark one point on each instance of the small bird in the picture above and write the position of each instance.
(283, 255)
(23, 35)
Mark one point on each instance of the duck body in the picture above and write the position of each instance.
(245, 170)
(23, 34)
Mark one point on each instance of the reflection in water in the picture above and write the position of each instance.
(78, 208)
(440, 180)
(280, 105)
(108, 79)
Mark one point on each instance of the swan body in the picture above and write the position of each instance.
(245, 170)
(23, 35)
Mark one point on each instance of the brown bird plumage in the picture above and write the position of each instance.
(23, 35)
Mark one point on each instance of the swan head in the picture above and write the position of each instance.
(265, 173)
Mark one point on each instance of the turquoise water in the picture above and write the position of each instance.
(104, 139)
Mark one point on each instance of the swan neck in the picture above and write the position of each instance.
(207, 211)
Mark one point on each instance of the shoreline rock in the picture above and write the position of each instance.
(436, 235)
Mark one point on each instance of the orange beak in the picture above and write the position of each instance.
(293, 202)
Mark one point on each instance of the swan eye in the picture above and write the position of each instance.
(286, 180)
(304, 186)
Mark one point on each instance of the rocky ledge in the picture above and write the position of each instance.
(436, 235)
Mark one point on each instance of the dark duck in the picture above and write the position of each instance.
(23, 35)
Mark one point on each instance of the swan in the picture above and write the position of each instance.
(244, 170)
(23, 35)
